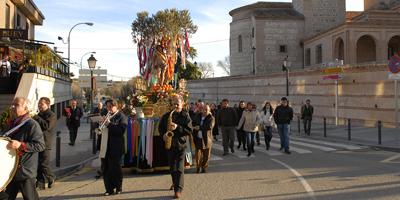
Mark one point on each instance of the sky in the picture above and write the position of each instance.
(110, 36)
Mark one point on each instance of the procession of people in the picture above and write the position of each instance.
(200, 125)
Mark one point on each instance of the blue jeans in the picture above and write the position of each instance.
(283, 130)
(250, 142)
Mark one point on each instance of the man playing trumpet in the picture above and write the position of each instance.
(179, 123)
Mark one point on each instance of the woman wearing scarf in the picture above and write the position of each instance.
(250, 120)
(266, 121)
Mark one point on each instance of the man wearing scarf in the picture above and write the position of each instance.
(28, 139)
(113, 145)
(181, 127)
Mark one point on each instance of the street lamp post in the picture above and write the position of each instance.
(91, 52)
(285, 67)
(92, 65)
(69, 39)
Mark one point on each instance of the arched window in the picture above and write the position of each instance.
(240, 43)
(393, 46)
(366, 49)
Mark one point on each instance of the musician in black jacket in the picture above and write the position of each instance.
(28, 139)
(47, 121)
(181, 128)
(115, 149)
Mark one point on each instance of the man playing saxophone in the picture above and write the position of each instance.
(180, 126)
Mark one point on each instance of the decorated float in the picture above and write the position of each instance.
(162, 45)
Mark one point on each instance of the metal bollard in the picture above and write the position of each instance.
(349, 129)
(299, 121)
(94, 150)
(58, 149)
(324, 127)
(379, 132)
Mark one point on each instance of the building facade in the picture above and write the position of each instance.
(20, 14)
(311, 33)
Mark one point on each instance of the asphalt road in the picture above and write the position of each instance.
(314, 170)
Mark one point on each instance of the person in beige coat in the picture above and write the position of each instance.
(250, 120)
(203, 138)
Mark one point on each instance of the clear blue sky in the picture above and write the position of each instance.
(111, 37)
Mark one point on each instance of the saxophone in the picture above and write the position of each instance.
(169, 134)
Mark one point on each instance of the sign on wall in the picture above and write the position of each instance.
(14, 33)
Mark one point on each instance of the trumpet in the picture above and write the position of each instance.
(105, 123)
(169, 134)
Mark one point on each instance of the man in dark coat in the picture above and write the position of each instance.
(115, 149)
(73, 114)
(227, 119)
(47, 121)
(283, 115)
(28, 139)
(307, 112)
(181, 128)
(202, 136)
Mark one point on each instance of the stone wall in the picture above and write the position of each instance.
(241, 62)
(271, 34)
(321, 15)
(365, 93)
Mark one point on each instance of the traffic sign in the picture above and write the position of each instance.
(334, 70)
(394, 76)
(394, 64)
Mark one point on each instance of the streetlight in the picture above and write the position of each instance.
(285, 67)
(253, 50)
(91, 52)
(92, 65)
(69, 39)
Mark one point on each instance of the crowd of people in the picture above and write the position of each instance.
(199, 122)
(12, 69)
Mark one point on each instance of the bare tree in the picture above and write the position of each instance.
(206, 69)
(225, 65)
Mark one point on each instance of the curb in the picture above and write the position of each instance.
(68, 170)
(375, 146)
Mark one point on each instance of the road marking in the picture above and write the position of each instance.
(238, 153)
(295, 149)
(269, 152)
(390, 160)
(322, 148)
(303, 181)
(346, 146)
(215, 158)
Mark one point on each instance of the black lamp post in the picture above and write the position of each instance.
(285, 67)
(92, 64)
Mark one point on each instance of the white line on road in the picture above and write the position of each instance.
(390, 160)
(346, 146)
(215, 158)
(303, 181)
(322, 148)
(295, 149)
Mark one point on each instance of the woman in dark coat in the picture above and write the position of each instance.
(214, 111)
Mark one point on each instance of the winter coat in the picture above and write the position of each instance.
(47, 121)
(250, 121)
(283, 115)
(183, 130)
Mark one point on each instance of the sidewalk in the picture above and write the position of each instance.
(72, 157)
(359, 135)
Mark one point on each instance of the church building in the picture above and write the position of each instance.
(312, 34)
